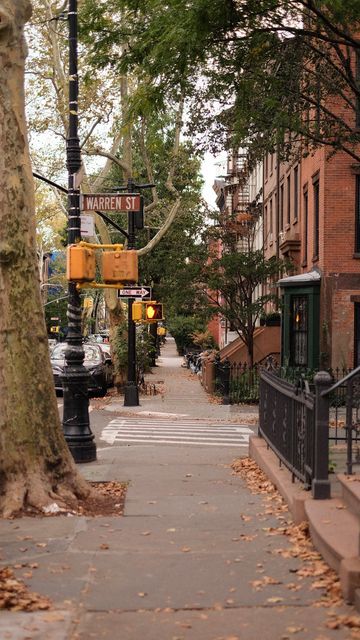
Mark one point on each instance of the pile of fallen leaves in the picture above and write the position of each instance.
(313, 565)
(108, 500)
(15, 595)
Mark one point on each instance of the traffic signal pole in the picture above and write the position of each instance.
(131, 391)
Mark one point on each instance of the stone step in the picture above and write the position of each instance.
(350, 489)
(335, 533)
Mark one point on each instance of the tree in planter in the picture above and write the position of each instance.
(35, 464)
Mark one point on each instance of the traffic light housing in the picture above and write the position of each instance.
(80, 263)
(137, 311)
(153, 311)
(120, 266)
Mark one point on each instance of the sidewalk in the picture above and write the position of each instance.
(182, 395)
(196, 556)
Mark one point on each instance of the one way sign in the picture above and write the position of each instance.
(135, 292)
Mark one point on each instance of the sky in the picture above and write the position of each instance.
(211, 168)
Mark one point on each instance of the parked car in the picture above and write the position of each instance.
(96, 362)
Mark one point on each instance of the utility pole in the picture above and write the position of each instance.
(76, 424)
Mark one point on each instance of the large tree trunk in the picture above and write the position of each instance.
(36, 467)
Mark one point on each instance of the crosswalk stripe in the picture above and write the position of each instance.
(183, 433)
(193, 426)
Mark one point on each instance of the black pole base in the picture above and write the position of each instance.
(131, 395)
(82, 451)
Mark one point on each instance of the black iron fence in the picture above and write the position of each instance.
(344, 419)
(294, 423)
(300, 419)
(239, 383)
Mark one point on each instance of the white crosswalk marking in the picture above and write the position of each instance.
(184, 432)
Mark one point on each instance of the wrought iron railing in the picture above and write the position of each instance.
(294, 423)
(348, 428)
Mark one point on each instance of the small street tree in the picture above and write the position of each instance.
(239, 284)
(35, 464)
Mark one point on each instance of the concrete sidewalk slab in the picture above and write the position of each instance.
(195, 557)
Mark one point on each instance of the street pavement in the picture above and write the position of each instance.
(196, 556)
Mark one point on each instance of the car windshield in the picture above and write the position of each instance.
(92, 353)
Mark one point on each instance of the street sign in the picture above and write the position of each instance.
(110, 202)
(87, 226)
(135, 292)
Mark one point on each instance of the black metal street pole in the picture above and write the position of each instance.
(76, 423)
(131, 391)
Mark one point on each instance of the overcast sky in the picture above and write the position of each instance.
(212, 167)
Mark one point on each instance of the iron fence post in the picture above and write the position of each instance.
(226, 381)
(320, 483)
(349, 418)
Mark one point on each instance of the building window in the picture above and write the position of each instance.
(357, 214)
(316, 191)
(288, 206)
(299, 331)
(306, 224)
(281, 208)
(296, 192)
(271, 219)
(266, 165)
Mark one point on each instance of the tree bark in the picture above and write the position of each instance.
(36, 467)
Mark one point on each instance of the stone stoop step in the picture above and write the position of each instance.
(350, 487)
(335, 532)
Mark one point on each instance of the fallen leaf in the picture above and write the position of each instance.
(275, 599)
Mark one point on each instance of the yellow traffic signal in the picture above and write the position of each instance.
(55, 329)
(120, 266)
(153, 311)
(137, 311)
(80, 264)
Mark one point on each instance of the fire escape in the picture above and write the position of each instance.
(240, 218)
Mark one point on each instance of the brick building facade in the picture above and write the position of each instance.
(311, 215)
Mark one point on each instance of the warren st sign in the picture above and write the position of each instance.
(110, 202)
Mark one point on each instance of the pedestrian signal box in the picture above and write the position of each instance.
(80, 264)
(120, 266)
(153, 311)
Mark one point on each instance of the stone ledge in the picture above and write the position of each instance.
(334, 530)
